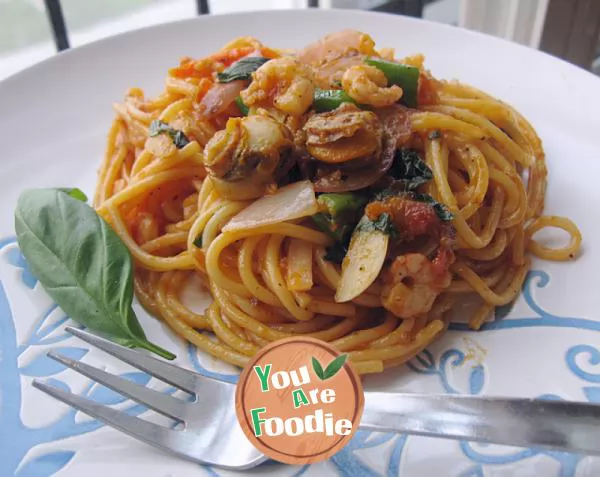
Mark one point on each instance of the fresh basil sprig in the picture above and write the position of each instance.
(82, 264)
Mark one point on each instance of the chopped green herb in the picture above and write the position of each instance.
(440, 209)
(242, 69)
(409, 170)
(178, 137)
(383, 223)
(435, 134)
(198, 241)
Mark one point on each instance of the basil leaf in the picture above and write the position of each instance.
(409, 170)
(82, 263)
(242, 69)
(198, 241)
(440, 209)
(383, 223)
(318, 369)
(178, 137)
(333, 368)
(75, 193)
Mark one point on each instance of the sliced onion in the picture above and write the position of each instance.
(220, 97)
(362, 264)
(291, 202)
(299, 276)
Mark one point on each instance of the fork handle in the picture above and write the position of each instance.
(558, 425)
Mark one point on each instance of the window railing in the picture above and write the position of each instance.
(61, 36)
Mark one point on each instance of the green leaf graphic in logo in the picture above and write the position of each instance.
(332, 368)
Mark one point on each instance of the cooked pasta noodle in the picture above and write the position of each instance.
(174, 207)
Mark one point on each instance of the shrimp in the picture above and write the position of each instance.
(413, 282)
(284, 81)
(368, 85)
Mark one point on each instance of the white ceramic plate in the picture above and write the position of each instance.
(53, 121)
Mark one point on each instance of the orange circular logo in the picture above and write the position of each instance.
(299, 401)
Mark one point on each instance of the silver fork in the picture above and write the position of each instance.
(211, 434)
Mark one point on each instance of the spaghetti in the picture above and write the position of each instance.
(180, 172)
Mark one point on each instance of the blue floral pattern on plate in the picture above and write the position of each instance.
(439, 368)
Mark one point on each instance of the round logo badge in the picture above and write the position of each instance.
(299, 401)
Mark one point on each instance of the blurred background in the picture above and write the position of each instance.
(32, 30)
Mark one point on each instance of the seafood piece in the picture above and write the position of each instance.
(284, 83)
(368, 85)
(248, 155)
(343, 135)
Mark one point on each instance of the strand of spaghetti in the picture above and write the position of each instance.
(161, 264)
(265, 314)
(363, 337)
(111, 144)
(325, 307)
(462, 286)
(368, 367)
(145, 186)
(141, 162)
(112, 172)
(425, 121)
(176, 284)
(225, 239)
(518, 246)
(318, 323)
(492, 250)
(173, 109)
(160, 164)
(489, 130)
(245, 259)
(166, 240)
(422, 339)
(479, 176)
(564, 253)
(482, 313)
(224, 213)
(227, 336)
(276, 283)
(243, 319)
(199, 339)
(402, 334)
(497, 299)
(536, 189)
(176, 86)
(145, 297)
(498, 112)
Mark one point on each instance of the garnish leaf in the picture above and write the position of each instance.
(383, 223)
(82, 264)
(74, 192)
(178, 137)
(242, 69)
(198, 241)
(409, 170)
(440, 209)
(318, 368)
(333, 368)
